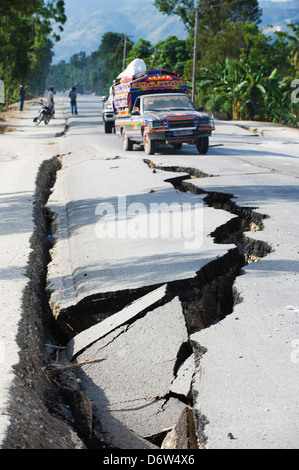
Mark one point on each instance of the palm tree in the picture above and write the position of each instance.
(259, 89)
(293, 43)
(227, 83)
(250, 92)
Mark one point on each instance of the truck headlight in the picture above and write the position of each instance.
(154, 124)
(202, 122)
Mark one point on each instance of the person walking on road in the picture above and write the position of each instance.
(21, 97)
(73, 98)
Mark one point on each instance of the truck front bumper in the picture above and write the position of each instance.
(108, 117)
(179, 135)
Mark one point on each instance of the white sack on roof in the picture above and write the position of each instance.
(136, 66)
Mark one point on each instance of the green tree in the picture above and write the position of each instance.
(111, 52)
(214, 46)
(59, 75)
(212, 13)
(143, 49)
(182, 8)
(238, 89)
(224, 86)
(26, 39)
(172, 54)
(288, 45)
(97, 71)
(291, 43)
(259, 88)
(78, 60)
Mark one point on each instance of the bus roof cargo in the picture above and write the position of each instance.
(127, 89)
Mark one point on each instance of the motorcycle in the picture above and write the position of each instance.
(45, 114)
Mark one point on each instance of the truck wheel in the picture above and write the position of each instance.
(107, 127)
(127, 143)
(149, 145)
(177, 146)
(202, 145)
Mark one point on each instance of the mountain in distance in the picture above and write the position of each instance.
(89, 20)
(279, 13)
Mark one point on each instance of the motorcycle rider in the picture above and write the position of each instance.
(47, 111)
(50, 98)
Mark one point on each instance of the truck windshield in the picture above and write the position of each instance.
(167, 103)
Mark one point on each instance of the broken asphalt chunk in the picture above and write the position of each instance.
(131, 389)
(127, 314)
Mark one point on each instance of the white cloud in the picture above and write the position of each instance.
(275, 1)
(272, 29)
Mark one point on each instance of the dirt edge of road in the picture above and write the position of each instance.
(41, 414)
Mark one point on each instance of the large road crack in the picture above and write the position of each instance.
(216, 297)
(109, 319)
(206, 298)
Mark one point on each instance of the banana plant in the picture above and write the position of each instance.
(227, 81)
(259, 90)
(293, 43)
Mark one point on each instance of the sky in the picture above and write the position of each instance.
(73, 7)
(88, 20)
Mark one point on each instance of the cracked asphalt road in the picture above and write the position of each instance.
(245, 384)
(250, 350)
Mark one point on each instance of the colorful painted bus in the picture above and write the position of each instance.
(154, 107)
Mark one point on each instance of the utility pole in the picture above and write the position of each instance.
(154, 58)
(125, 52)
(195, 56)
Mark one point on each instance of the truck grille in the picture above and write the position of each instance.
(186, 124)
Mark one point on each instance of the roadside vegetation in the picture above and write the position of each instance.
(243, 71)
(28, 31)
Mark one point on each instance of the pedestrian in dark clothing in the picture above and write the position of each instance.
(21, 97)
(73, 98)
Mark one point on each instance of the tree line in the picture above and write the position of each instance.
(97, 71)
(243, 71)
(28, 31)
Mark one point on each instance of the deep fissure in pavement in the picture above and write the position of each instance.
(211, 296)
(207, 298)
(38, 417)
(217, 298)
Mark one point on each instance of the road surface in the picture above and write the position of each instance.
(228, 264)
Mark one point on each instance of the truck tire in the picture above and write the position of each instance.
(202, 145)
(149, 145)
(177, 146)
(127, 143)
(108, 127)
